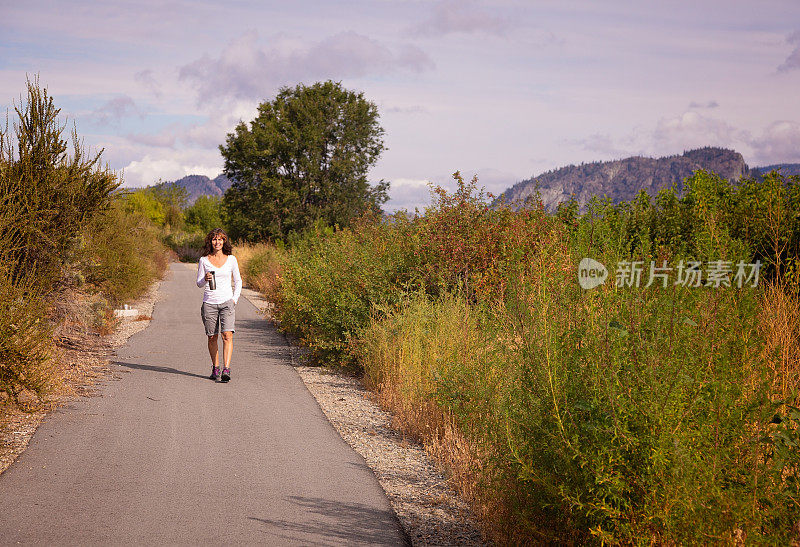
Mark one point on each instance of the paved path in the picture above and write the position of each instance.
(167, 456)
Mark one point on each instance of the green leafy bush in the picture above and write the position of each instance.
(610, 417)
(204, 215)
(261, 265)
(333, 280)
(121, 254)
(464, 244)
(26, 346)
(47, 197)
(144, 203)
(754, 219)
(633, 414)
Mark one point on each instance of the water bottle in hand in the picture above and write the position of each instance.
(212, 283)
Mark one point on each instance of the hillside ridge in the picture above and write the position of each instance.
(201, 185)
(622, 179)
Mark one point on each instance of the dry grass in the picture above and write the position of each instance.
(779, 324)
(401, 362)
(246, 251)
(461, 459)
(261, 267)
(79, 313)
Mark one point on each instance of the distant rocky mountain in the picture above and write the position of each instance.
(622, 179)
(201, 185)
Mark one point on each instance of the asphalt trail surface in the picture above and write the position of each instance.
(165, 455)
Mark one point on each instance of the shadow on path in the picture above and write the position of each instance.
(153, 368)
(352, 523)
(265, 343)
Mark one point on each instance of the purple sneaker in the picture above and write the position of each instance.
(226, 375)
(215, 373)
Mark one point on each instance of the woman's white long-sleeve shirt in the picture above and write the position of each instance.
(225, 289)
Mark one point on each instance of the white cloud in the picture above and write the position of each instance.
(778, 143)
(693, 130)
(157, 166)
(408, 194)
(412, 109)
(245, 70)
(604, 144)
(671, 135)
(707, 104)
(206, 135)
(163, 139)
(411, 193)
(491, 180)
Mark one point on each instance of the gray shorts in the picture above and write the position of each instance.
(218, 317)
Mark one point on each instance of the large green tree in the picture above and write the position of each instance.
(304, 158)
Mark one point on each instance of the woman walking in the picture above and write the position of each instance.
(215, 270)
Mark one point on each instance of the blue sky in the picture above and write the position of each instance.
(503, 89)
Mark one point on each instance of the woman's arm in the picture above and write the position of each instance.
(237, 280)
(201, 274)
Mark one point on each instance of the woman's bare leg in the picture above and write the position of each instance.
(227, 348)
(212, 350)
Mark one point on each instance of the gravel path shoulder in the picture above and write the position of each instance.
(427, 506)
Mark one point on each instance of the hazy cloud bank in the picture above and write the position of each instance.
(778, 142)
(707, 104)
(246, 70)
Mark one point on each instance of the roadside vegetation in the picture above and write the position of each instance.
(621, 414)
(71, 249)
(630, 413)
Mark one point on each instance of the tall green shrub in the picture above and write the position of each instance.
(59, 228)
(462, 243)
(143, 202)
(612, 416)
(57, 191)
(25, 333)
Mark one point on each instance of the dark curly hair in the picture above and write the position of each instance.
(209, 249)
